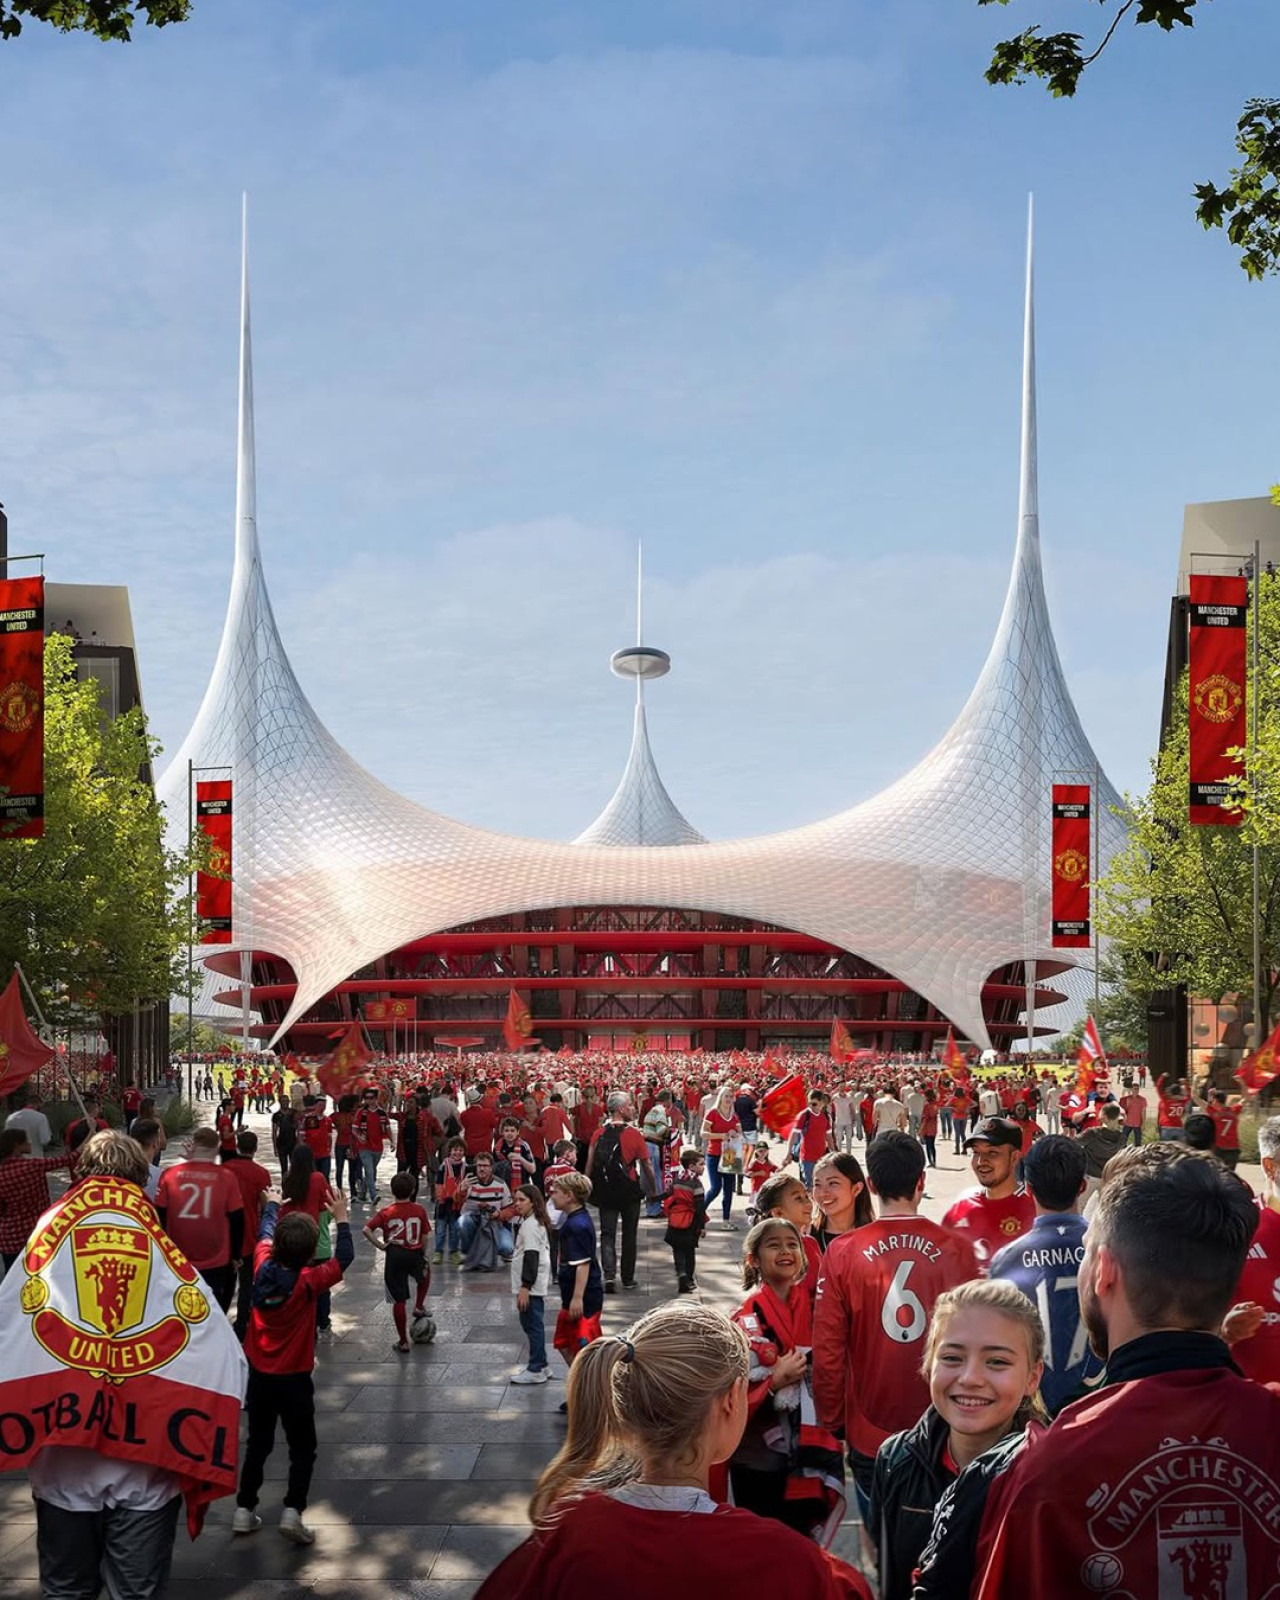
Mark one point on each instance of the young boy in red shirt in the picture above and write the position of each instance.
(281, 1347)
(403, 1226)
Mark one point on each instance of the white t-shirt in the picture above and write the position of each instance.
(888, 1113)
(532, 1236)
(34, 1124)
(914, 1103)
(82, 1480)
(1050, 1094)
(842, 1105)
(989, 1103)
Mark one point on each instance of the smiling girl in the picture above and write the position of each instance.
(840, 1197)
(983, 1359)
(785, 1467)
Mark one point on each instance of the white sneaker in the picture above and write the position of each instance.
(529, 1376)
(245, 1521)
(293, 1528)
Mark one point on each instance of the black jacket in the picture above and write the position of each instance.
(908, 1482)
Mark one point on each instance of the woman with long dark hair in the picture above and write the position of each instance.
(841, 1197)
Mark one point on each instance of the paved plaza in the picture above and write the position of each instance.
(426, 1460)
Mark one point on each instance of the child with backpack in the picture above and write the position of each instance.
(531, 1278)
(403, 1226)
(686, 1211)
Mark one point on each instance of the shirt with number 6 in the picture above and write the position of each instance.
(876, 1294)
(198, 1199)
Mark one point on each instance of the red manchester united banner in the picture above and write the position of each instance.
(1070, 866)
(1215, 694)
(396, 1010)
(213, 887)
(22, 707)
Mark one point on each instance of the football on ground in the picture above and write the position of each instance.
(422, 1330)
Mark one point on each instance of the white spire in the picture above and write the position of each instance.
(641, 811)
(639, 611)
(1028, 489)
(246, 471)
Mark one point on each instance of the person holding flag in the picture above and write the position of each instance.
(122, 1384)
(1092, 1068)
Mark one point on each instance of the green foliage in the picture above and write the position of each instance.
(1177, 901)
(104, 19)
(1248, 206)
(207, 1040)
(96, 910)
(179, 1116)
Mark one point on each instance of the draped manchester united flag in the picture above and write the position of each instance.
(110, 1342)
(841, 1042)
(22, 708)
(1091, 1058)
(1216, 694)
(1259, 1067)
(517, 1025)
(1070, 866)
(213, 885)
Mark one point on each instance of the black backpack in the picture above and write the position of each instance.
(612, 1184)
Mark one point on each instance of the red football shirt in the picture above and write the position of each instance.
(1226, 1125)
(479, 1124)
(1259, 1357)
(876, 1294)
(988, 1224)
(254, 1181)
(198, 1198)
(404, 1223)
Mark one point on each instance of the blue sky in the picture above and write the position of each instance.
(533, 281)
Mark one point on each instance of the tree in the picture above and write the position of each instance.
(104, 19)
(1248, 206)
(1177, 902)
(96, 910)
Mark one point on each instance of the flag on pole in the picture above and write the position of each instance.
(517, 1025)
(21, 1051)
(841, 1042)
(1259, 1067)
(1091, 1058)
(954, 1060)
(338, 1074)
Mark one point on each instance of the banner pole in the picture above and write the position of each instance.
(1259, 1021)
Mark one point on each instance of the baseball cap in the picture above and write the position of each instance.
(996, 1130)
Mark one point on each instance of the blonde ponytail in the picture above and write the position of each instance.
(643, 1393)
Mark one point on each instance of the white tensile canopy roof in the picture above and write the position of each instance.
(938, 880)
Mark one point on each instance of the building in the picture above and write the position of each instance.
(922, 907)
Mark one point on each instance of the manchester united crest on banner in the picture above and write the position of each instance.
(1216, 696)
(213, 883)
(21, 708)
(1071, 866)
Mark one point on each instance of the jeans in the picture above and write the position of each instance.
(685, 1257)
(447, 1231)
(532, 1325)
(467, 1231)
(958, 1125)
(339, 1162)
(1134, 1134)
(369, 1170)
(930, 1151)
(806, 1175)
(653, 1207)
(323, 1166)
(944, 1122)
(610, 1216)
(290, 1398)
(129, 1551)
(725, 1184)
(1168, 1135)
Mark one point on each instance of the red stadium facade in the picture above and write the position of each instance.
(614, 977)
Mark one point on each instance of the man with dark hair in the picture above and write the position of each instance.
(1167, 1480)
(1045, 1264)
(1000, 1210)
(875, 1297)
(1199, 1132)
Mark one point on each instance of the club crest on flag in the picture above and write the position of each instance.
(1071, 865)
(18, 706)
(1217, 698)
(85, 1317)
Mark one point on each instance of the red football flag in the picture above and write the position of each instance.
(953, 1057)
(1091, 1058)
(1259, 1067)
(21, 1052)
(338, 1074)
(782, 1103)
(517, 1025)
(841, 1042)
